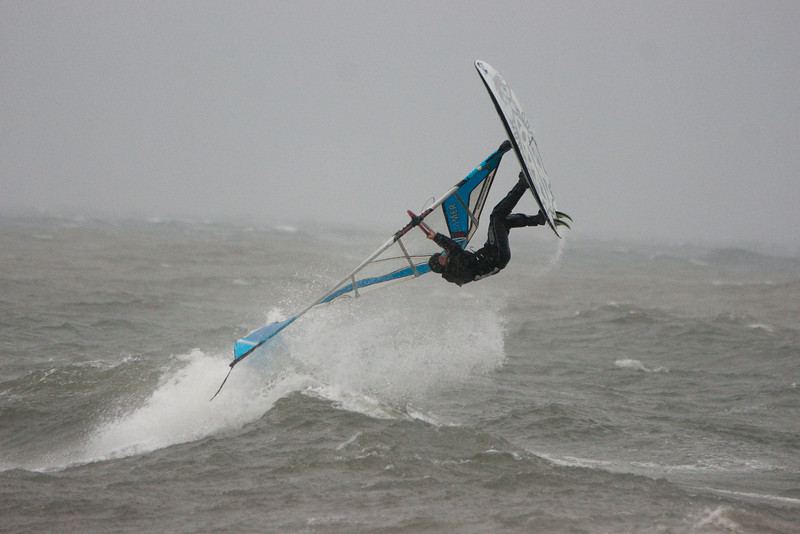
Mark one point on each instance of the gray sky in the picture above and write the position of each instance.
(656, 120)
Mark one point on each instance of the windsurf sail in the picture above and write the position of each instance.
(461, 208)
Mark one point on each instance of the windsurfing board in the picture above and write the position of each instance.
(520, 134)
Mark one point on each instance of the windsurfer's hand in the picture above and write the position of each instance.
(429, 233)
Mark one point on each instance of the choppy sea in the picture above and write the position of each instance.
(590, 387)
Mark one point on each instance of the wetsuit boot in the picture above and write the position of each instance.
(519, 220)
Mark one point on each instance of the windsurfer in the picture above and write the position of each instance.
(462, 266)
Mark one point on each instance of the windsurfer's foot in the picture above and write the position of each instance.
(535, 220)
(518, 220)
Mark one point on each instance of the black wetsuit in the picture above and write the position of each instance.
(464, 266)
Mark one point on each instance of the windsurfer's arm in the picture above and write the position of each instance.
(446, 243)
(442, 240)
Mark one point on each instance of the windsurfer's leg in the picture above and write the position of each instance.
(504, 207)
(499, 225)
(498, 241)
(516, 220)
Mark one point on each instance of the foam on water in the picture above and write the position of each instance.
(717, 519)
(179, 411)
(628, 363)
(762, 326)
(398, 353)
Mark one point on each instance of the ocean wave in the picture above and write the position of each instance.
(620, 312)
(741, 320)
(739, 283)
(697, 469)
(717, 519)
(176, 411)
(565, 421)
(628, 363)
(754, 496)
(370, 406)
(762, 326)
(179, 409)
(354, 356)
(82, 373)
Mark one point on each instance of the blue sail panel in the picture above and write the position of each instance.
(399, 274)
(462, 210)
(256, 338)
